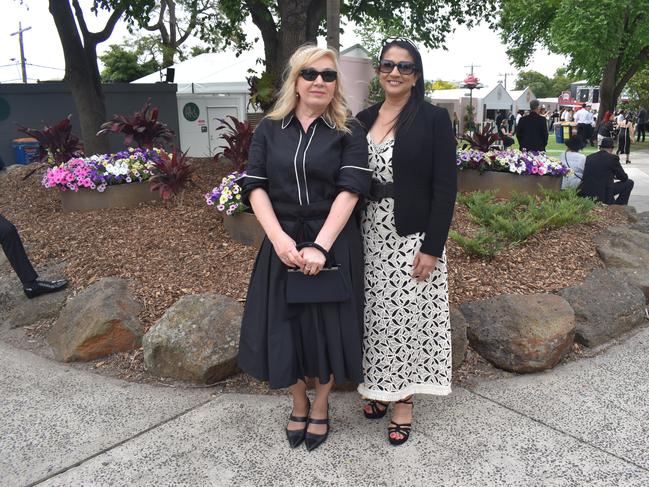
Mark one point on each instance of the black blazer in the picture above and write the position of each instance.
(600, 171)
(532, 132)
(425, 175)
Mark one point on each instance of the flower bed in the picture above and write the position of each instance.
(100, 171)
(512, 161)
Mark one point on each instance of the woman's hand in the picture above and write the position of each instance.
(422, 266)
(314, 261)
(285, 249)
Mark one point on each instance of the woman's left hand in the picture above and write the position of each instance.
(422, 266)
(314, 261)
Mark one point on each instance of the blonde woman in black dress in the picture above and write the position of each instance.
(407, 342)
(306, 172)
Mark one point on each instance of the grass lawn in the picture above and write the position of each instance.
(555, 149)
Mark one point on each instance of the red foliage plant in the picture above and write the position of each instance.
(237, 137)
(172, 175)
(57, 143)
(481, 140)
(142, 128)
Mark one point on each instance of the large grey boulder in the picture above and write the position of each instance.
(459, 340)
(641, 222)
(521, 333)
(628, 250)
(99, 321)
(606, 305)
(197, 339)
(17, 310)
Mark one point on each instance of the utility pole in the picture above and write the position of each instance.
(22, 49)
(333, 24)
(505, 75)
(472, 66)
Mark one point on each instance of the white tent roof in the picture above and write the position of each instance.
(453, 94)
(212, 71)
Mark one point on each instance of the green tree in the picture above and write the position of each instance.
(286, 24)
(561, 81)
(177, 20)
(639, 88)
(80, 53)
(123, 65)
(539, 83)
(613, 47)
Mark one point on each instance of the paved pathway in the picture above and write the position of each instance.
(580, 424)
(638, 170)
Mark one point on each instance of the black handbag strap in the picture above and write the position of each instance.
(329, 262)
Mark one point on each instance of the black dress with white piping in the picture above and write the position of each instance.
(303, 172)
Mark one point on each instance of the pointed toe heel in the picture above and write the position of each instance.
(313, 441)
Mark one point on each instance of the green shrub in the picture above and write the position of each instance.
(514, 220)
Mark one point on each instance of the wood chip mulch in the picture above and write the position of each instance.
(168, 251)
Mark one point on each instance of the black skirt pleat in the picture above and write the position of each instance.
(281, 343)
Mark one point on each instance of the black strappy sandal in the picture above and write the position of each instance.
(402, 429)
(377, 412)
(296, 437)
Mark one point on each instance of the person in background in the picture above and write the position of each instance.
(519, 115)
(625, 138)
(620, 117)
(574, 160)
(456, 124)
(605, 129)
(13, 248)
(532, 130)
(511, 122)
(642, 124)
(306, 172)
(554, 118)
(582, 117)
(567, 115)
(601, 171)
(505, 135)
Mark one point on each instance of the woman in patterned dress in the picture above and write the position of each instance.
(407, 340)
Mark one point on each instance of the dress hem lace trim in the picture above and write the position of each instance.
(432, 389)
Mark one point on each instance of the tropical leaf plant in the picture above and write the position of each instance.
(482, 139)
(173, 174)
(262, 91)
(238, 136)
(57, 143)
(142, 128)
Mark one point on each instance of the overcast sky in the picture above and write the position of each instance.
(479, 46)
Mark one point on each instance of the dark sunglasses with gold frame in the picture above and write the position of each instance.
(310, 74)
(404, 67)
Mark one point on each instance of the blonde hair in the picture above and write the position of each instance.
(336, 112)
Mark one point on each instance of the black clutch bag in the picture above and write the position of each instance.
(330, 285)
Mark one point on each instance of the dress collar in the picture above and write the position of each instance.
(286, 121)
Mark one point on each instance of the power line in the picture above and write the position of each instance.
(41, 66)
(22, 48)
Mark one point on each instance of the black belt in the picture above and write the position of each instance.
(299, 215)
(379, 191)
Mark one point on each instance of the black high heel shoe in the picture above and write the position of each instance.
(377, 412)
(313, 441)
(402, 429)
(296, 437)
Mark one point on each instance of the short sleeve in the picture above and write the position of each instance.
(354, 174)
(256, 168)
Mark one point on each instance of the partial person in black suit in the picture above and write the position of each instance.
(17, 257)
(532, 130)
(642, 124)
(601, 171)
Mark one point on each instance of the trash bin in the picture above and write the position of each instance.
(558, 133)
(25, 150)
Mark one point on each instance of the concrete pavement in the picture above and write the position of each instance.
(583, 423)
(638, 170)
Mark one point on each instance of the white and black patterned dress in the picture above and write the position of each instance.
(407, 341)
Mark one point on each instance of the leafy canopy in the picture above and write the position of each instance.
(589, 32)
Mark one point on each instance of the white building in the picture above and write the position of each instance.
(522, 98)
(486, 102)
(212, 86)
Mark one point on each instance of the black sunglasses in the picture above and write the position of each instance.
(404, 67)
(310, 74)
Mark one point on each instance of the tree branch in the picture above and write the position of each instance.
(78, 13)
(192, 23)
(637, 63)
(160, 23)
(104, 34)
(316, 12)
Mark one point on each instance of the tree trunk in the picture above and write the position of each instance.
(82, 73)
(333, 24)
(607, 96)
